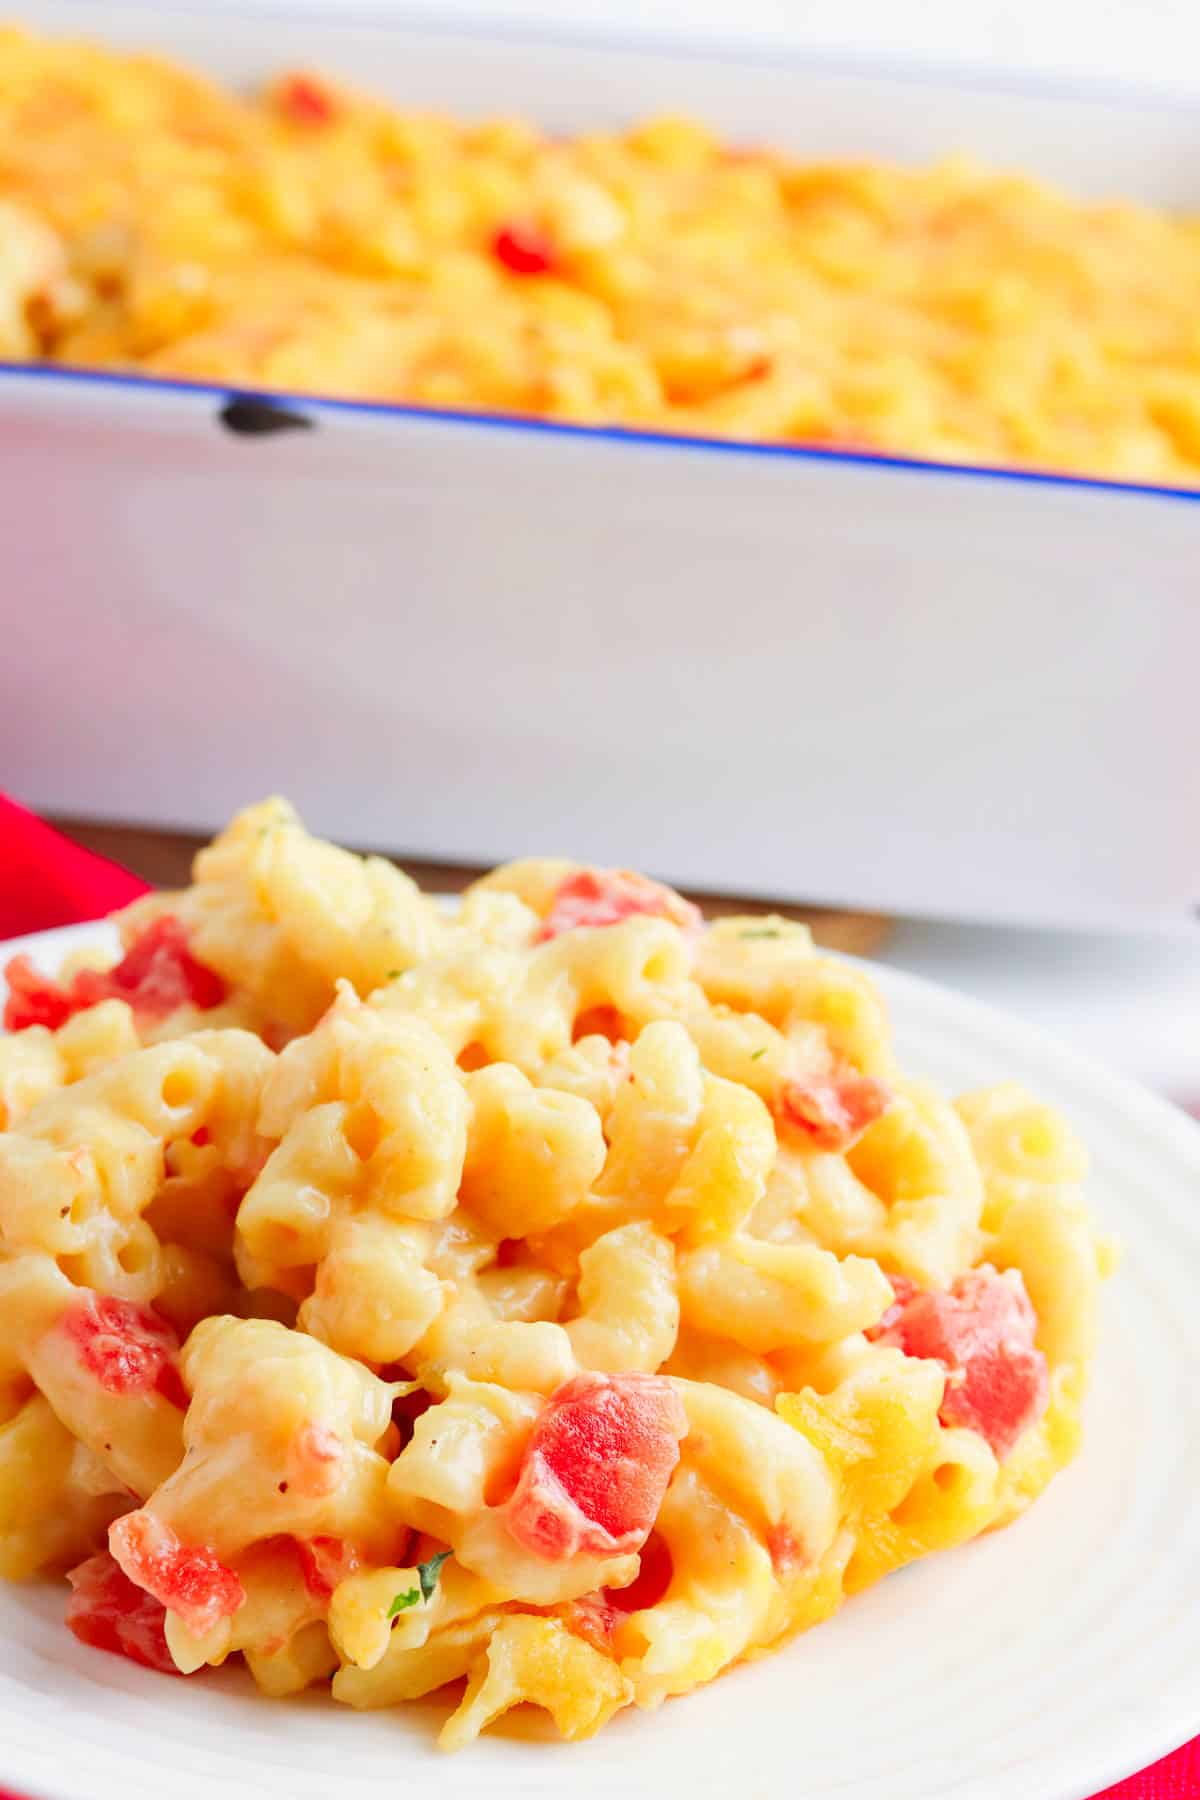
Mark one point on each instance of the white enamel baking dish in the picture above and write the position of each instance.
(837, 677)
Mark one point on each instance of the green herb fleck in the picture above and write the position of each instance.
(761, 1051)
(394, 974)
(761, 931)
(402, 1602)
(428, 1572)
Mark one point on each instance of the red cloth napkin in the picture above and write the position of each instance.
(46, 880)
(1176, 1777)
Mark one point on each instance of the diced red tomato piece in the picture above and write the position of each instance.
(108, 1612)
(315, 1460)
(324, 1561)
(524, 249)
(597, 897)
(597, 1466)
(185, 1578)
(128, 1348)
(306, 101)
(33, 999)
(785, 1549)
(903, 1289)
(157, 974)
(982, 1332)
(833, 1110)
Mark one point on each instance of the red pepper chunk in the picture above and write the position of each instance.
(324, 1561)
(597, 1466)
(128, 1348)
(185, 1578)
(600, 897)
(107, 1612)
(982, 1332)
(157, 975)
(305, 101)
(524, 249)
(833, 1110)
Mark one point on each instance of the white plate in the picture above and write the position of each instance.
(1042, 1663)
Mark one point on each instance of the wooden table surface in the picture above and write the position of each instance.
(164, 858)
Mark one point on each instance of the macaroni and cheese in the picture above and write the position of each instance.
(556, 1295)
(313, 239)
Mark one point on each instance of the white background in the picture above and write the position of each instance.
(1154, 42)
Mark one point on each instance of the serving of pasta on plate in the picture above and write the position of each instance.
(555, 1295)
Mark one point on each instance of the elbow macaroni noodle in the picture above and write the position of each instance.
(556, 1295)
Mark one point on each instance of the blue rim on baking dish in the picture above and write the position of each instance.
(299, 405)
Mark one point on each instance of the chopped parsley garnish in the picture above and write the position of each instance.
(427, 1575)
(428, 1572)
(755, 1054)
(394, 974)
(761, 931)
